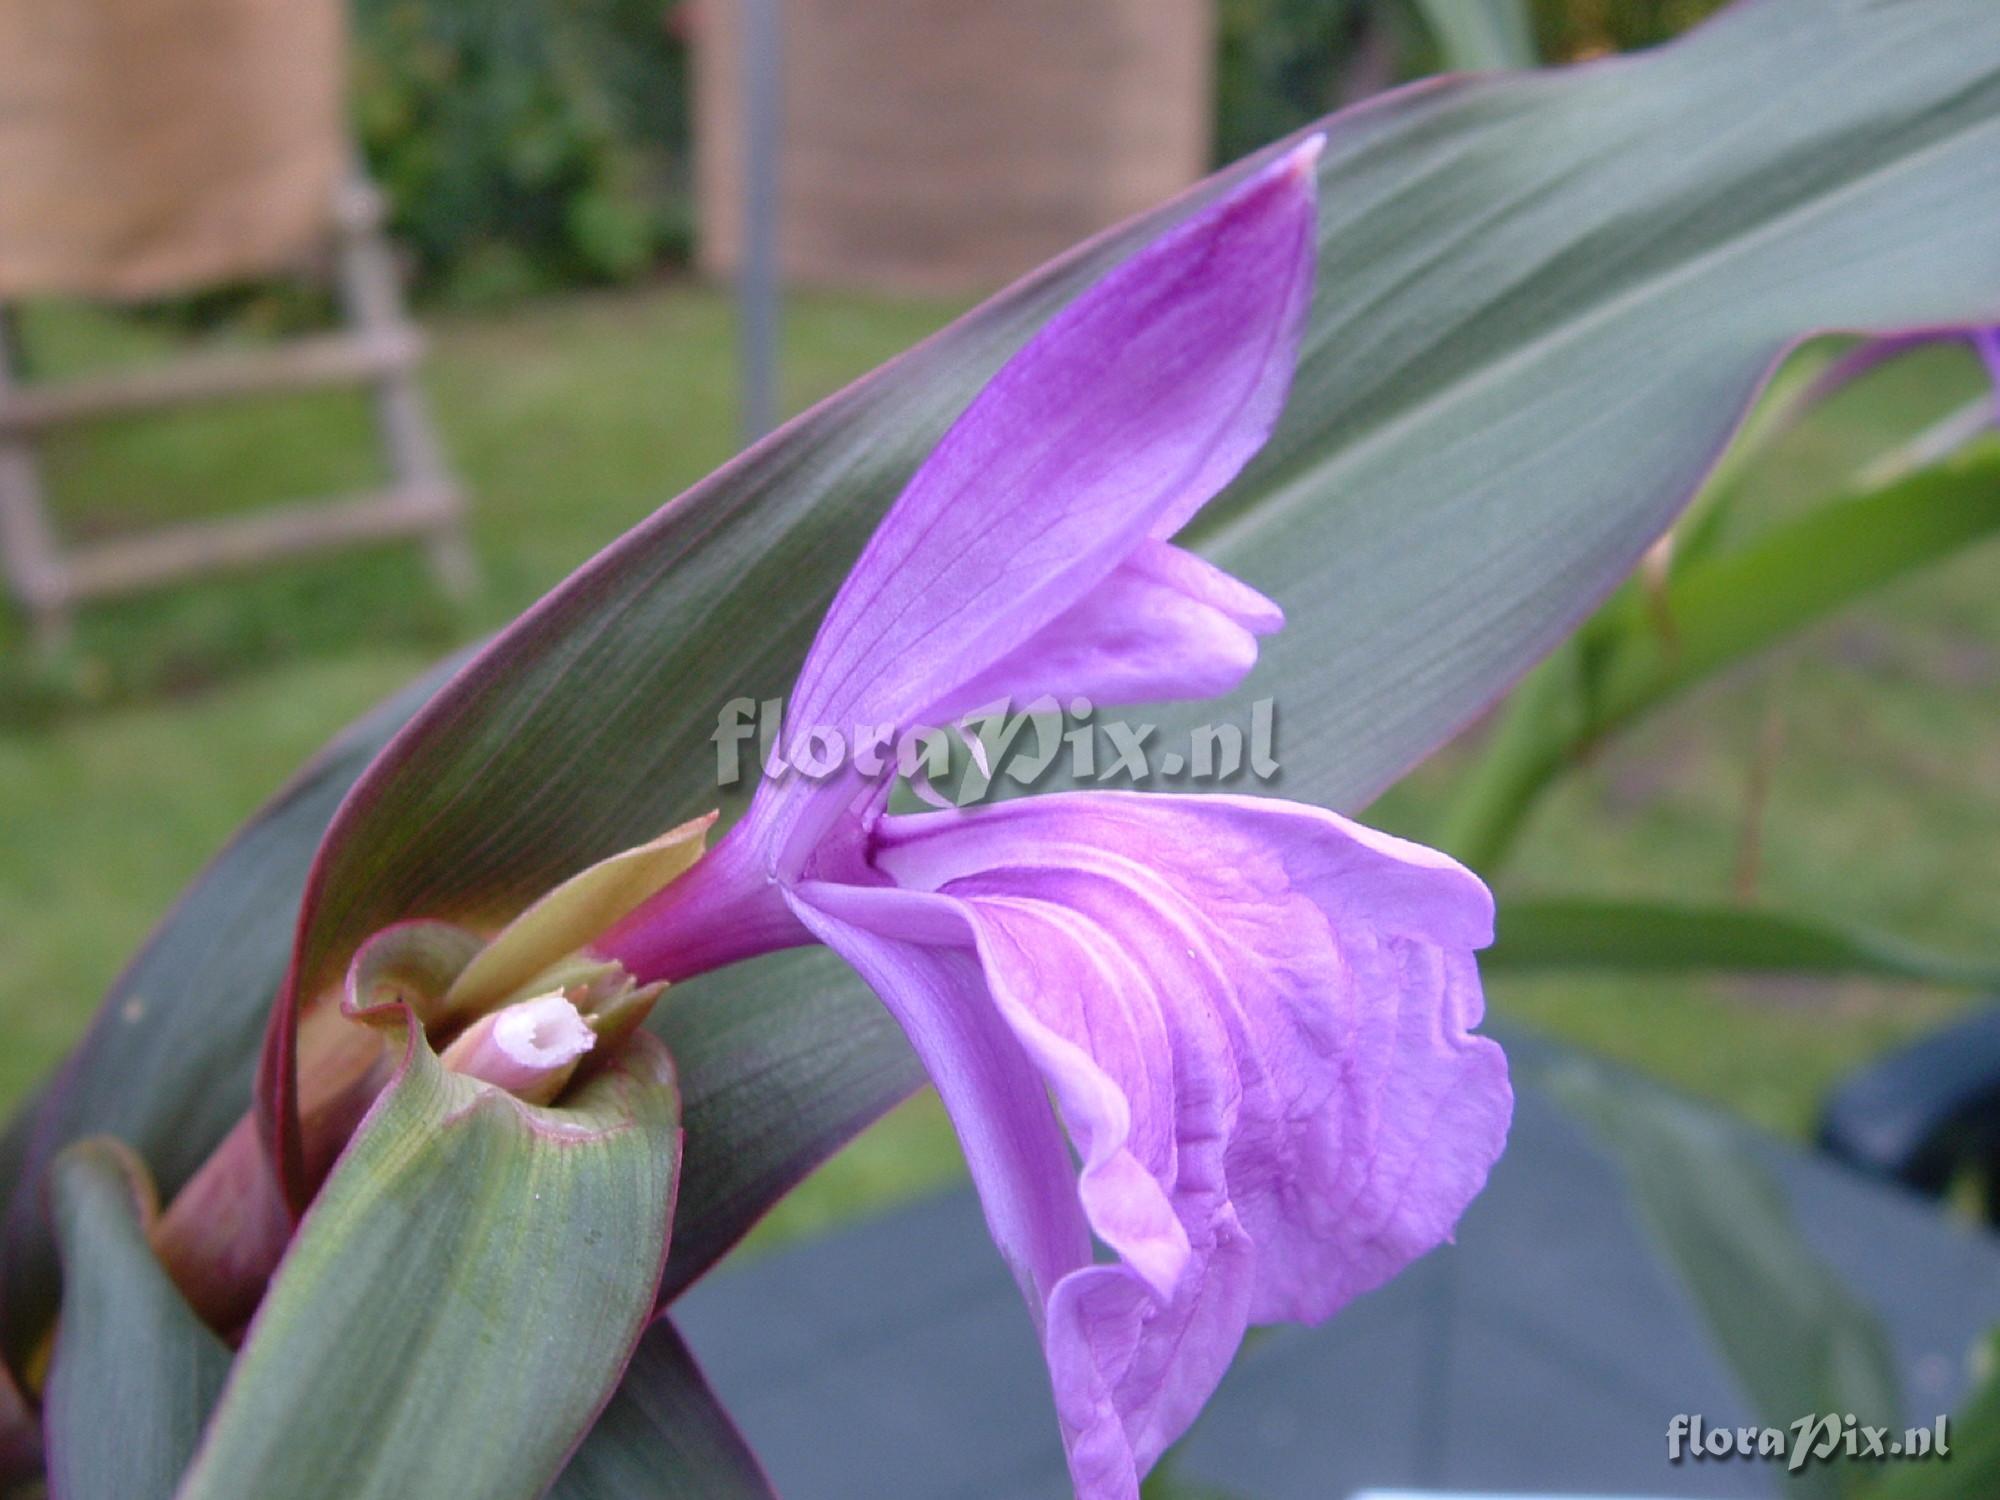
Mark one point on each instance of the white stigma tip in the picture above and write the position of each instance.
(545, 1032)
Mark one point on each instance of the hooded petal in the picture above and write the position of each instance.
(1125, 415)
(1028, 554)
(1165, 625)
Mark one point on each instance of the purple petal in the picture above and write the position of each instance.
(1117, 422)
(1254, 1019)
(1330, 965)
(1987, 342)
(1130, 1372)
(724, 908)
(914, 952)
(1165, 625)
(1132, 1353)
(1028, 553)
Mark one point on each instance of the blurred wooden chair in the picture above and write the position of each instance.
(151, 148)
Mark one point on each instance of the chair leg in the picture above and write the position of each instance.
(373, 302)
(29, 555)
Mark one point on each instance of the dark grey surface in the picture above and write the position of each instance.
(1546, 1351)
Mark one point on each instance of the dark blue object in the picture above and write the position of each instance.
(1545, 1352)
(1926, 1114)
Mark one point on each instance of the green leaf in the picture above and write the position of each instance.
(462, 1296)
(1481, 35)
(663, 1437)
(1669, 937)
(1796, 1338)
(1723, 607)
(1543, 302)
(781, 1062)
(167, 1062)
(1973, 1466)
(135, 1371)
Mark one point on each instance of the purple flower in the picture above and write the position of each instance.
(1252, 1017)
(1987, 342)
(1984, 339)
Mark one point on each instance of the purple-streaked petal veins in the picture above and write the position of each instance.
(1117, 422)
(1255, 1018)
(1131, 1372)
(1135, 1347)
(1339, 960)
(913, 950)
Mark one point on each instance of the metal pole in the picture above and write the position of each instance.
(757, 276)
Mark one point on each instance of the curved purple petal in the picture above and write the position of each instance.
(1131, 1372)
(1029, 551)
(1135, 1347)
(1327, 966)
(1164, 625)
(914, 951)
(1116, 423)
(1255, 1020)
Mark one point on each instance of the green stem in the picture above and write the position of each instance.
(1524, 754)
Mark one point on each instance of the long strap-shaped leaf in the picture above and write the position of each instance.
(1481, 34)
(136, 1372)
(463, 1297)
(1797, 1339)
(1676, 937)
(166, 1064)
(1720, 608)
(663, 1437)
(779, 1066)
(1543, 302)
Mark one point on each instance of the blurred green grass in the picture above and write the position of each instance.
(125, 763)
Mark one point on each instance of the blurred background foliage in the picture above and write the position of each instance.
(532, 144)
(526, 144)
(1283, 63)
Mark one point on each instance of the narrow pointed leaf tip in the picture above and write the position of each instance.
(1253, 1017)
